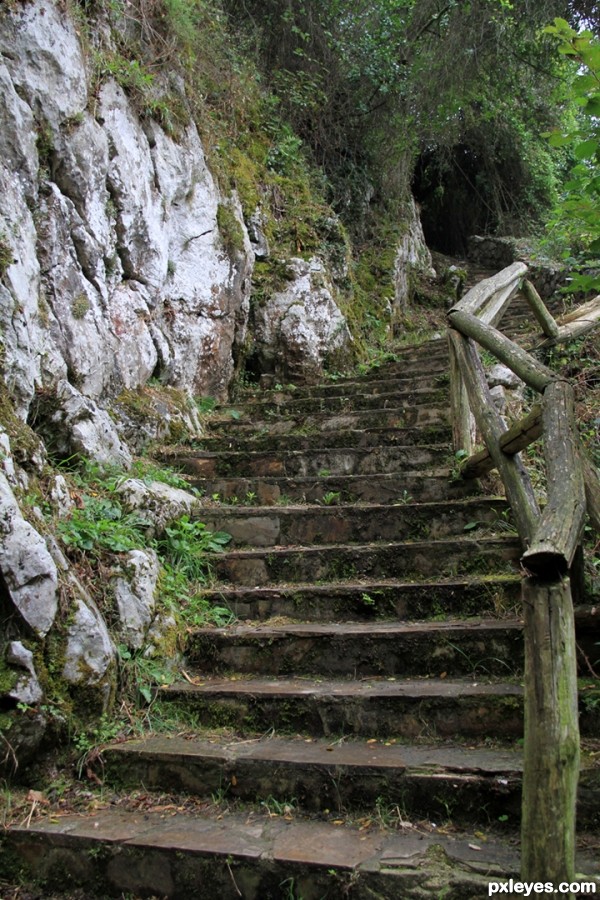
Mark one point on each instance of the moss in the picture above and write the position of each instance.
(24, 442)
(8, 676)
(230, 229)
(80, 306)
(7, 256)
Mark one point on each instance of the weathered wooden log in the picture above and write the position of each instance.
(489, 299)
(512, 471)
(518, 436)
(559, 530)
(538, 308)
(576, 323)
(459, 406)
(591, 478)
(529, 370)
(551, 749)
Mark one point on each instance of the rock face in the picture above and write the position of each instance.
(120, 272)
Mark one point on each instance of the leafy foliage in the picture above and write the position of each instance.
(576, 222)
(99, 527)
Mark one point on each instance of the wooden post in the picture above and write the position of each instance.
(512, 471)
(559, 531)
(551, 756)
(538, 308)
(459, 405)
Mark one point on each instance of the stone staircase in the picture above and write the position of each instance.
(357, 732)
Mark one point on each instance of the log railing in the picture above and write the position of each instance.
(550, 539)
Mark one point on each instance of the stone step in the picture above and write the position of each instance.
(380, 384)
(369, 599)
(337, 489)
(269, 405)
(408, 416)
(317, 440)
(277, 525)
(383, 707)
(177, 856)
(310, 463)
(477, 648)
(468, 785)
(343, 562)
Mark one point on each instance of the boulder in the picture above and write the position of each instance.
(135, 594)
(27, 689)
(90, 654)
(300, 329)
(27, 568)
(160, 502)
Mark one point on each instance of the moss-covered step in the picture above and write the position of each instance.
(384, 707)
(177, 856)
(339, 562)
(331, 404)
(314, 440)
(331, 490)
(468, 785)
(266, 526)
(406, 416)
(347, 387)
(304, 463)
(477, 647)
(369, 599)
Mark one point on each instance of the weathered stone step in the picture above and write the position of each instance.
(277, 525)
(469, 785)
(266, 440)
(372, 599)
(306, 463)
(381, 384)
(409, 416)
(453, 648)
(337, 489)
(177, 856)
(262, 406)
(342, 562)
(386, 707)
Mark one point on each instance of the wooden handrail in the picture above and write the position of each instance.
(549, 550)
(551, 753)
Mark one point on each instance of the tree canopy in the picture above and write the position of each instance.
(455, 96)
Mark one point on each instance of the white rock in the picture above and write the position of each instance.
(27, 689)
(28, 569)
(60, 496)
(43, 53)
(298, 328)
(503, 376)
(82, 427)
(160, 502)
(499, 397)
(135, 593)
(90, 651)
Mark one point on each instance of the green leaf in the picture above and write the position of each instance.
(586, 150)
